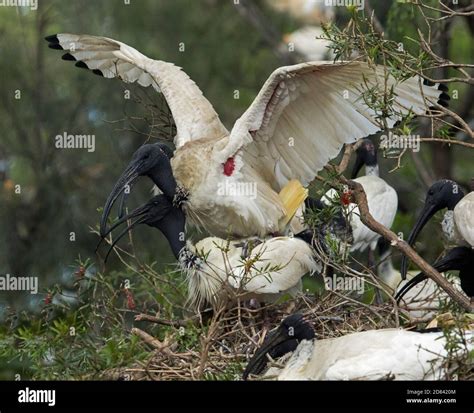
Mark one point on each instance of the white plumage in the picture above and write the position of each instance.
(262, 269)
(458, 220)
(389, 354)
(301, 118)
(464, 219)
(382, 201)
(423, 300)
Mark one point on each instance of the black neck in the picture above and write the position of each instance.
(162, 177)
(173, 228)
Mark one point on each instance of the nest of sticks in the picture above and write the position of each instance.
(230, 335)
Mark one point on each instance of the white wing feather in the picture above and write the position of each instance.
(194, 116)
(305, 113)
(278, 264)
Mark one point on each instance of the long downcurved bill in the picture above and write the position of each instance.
(136, 217)
(125, 182)
(426, 214)
(258, 362)
(409, 285)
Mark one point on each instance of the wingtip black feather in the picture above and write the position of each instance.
(68, 56)
(81, 64)
(52, 38)
(444, 96)
(98, 72)
(55, 46)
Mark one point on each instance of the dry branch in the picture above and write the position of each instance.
(367, 219)
(150, 340)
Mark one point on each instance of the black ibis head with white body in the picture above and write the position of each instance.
(284, 339)
(457, 259)
(442, 194)
(152, 160)
(366, 154)
(159, 213)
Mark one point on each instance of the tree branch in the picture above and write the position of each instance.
(368, 220)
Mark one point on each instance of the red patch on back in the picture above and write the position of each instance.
(229, 167)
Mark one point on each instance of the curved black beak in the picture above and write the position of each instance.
(409, 285)
(136, 217)
(122, 203)
(359, 163)
(122, 186)
(258, 362)
(455, 259)
(428, 211)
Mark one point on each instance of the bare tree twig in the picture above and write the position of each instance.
(171, 323)
(150, 340)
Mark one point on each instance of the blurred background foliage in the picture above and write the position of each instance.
(224, 51)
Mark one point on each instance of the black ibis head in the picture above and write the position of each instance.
(366, 154)
(159, 213)
(283, 340)
(442, 194)
(152, 160)
(457, 259)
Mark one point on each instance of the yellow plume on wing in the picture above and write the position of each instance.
(292, 196)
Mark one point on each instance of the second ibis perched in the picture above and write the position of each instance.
(457, 259)
(419, 302)
(382, 200)
(458, 221)
(387, 354)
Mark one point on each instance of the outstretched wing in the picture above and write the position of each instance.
(193, 114)
(305, 113)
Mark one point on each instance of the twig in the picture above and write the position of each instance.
(151, 341)
(172, 323)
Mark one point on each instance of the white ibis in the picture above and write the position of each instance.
(387, 354)
(382, 200)
(457, 259)
(300, 119)
(458, 221)
(263, 269)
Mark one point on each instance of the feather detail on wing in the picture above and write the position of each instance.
(305, 113)
(194, 116)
